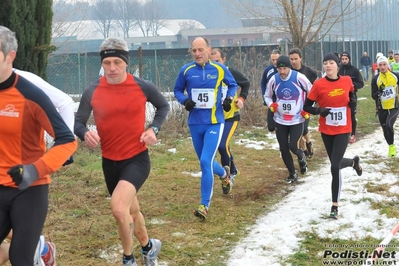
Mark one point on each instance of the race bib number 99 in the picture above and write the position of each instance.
(204, 98)
(287, 107)
(337, 117)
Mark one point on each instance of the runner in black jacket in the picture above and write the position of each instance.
(347, 69)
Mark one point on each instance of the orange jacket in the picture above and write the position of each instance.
(25, 113)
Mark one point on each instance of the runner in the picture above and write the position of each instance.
(384, 90)
(334, 96)
(290, 88)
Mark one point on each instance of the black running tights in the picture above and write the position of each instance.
(288, 138)
(336, 146)
(387, 119)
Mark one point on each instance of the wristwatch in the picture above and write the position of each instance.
(156, 129)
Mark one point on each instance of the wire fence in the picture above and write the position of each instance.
(72, 73)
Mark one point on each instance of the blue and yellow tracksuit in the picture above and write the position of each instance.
(203, 85)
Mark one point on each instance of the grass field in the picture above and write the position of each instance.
(79, 220)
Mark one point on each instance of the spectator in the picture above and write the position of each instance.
(365, 61)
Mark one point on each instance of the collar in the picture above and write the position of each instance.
(8, 82)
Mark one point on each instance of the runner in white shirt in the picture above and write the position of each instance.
(290, 89)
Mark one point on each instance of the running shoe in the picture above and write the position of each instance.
(309, 147)
(233, 176)
(201, 212)
(49, 257)
(131, 262)
(226, 185)
(392, 150)
(357, 166)
(150, 258)
(292, 178)
(303, 166)
(334, 212)
(37, 260)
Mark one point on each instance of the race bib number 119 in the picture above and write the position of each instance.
(337, 117)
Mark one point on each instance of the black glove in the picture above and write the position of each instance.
(189, 104)
(352, 104)
(69, 161)
(323, 111)
(23, 175)
(352, 100)
(227, 104)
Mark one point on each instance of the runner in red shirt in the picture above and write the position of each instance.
(334, 95)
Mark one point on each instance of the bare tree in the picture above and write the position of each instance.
(125, 12)
(154, 16)
(306, 20)
(188, 25)
(103, 13)
(66, 12)
(149, 17)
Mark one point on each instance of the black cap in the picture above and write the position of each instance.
(346, 54)
(390, 52)
(283, 61)
(330, 56)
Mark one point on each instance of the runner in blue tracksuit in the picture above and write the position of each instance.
(202, 80)
(269, 72)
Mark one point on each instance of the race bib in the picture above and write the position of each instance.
(388, 97)
(287, 107)
(204, 98)
(337, 116)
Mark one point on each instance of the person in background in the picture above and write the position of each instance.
(202, 98)
(365, 61)
(290, 88)
(26, 165)
(374, 66)
(334, 95)
(269, 71)
(296, 64)
(395, 65)
(118, 101)
(347, 69)
(384, 90)
(233, 116)
(391, 58)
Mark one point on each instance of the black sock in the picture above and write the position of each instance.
(148, 246)
(130, 257)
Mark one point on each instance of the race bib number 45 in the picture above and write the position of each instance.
(337, 116)
(204, 98)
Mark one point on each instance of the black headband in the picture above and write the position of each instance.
(124, 55)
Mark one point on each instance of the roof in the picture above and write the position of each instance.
(88, 29)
